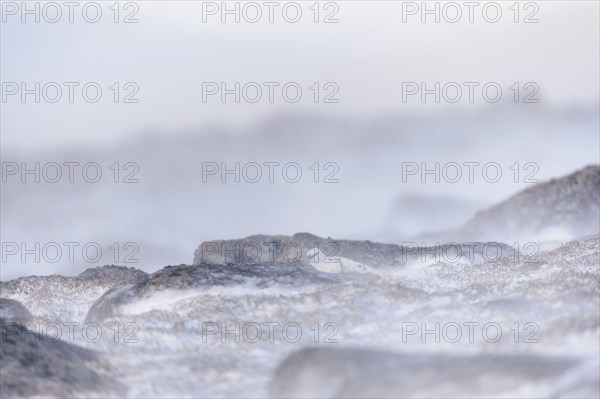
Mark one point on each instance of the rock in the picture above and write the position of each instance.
(361, 373)
(186, 277)
(34, 365)
(112, 274)
(14, 311)
(66, 299)
(564, 208)
(377, 255)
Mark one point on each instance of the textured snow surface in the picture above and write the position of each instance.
(360, 349)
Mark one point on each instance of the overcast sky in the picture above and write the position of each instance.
(369, 53)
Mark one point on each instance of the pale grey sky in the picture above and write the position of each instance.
(369, 53)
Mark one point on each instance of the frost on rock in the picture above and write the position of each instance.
(543, 308)
(359, 373)
(301, 246)
(14, 311)
(567, 207)
(66, 299)
(35, 366)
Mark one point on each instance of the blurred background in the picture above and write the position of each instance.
(364, 139)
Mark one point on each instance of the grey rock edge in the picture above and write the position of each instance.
(34, 365)
(282, 249)
(14, 311)
(571, 203)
